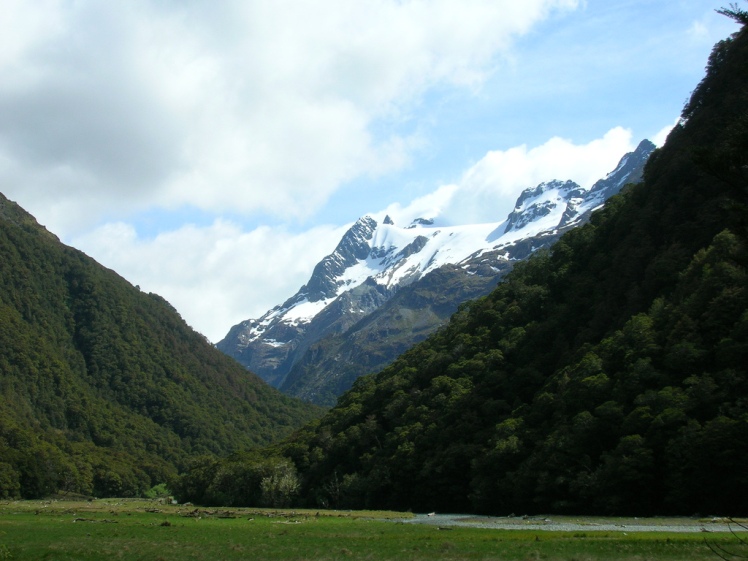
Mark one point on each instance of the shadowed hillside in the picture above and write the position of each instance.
(607, 375)
(105, 390)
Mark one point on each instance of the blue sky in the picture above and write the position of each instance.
(214, 152)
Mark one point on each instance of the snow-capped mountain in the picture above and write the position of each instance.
(377, 258)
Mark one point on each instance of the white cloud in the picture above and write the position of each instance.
(23, 25)
(219, 275)
(661, 136)
(429, 206)
(248, 106)
(699, 30)
(216, 276)
(488, 190)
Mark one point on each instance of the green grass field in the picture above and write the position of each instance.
(140, 529)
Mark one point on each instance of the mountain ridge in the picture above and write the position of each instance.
(104, 389)
(605, 376)
(376, 259)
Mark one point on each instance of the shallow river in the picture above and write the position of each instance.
(577, 524)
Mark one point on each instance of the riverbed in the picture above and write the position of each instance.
(580, 524)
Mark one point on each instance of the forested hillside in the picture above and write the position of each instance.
(105, 390)
(328, 368)
(605, 376)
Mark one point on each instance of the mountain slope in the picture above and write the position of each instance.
(608, 375)
(387, 287)
(103, 389)
(331, 365)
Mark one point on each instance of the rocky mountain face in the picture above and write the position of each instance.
(387, 287)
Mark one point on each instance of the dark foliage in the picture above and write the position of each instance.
(734, 12)
(605, 376)
(105, 390)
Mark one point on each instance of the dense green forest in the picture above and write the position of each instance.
(105, 390)
(607, 375)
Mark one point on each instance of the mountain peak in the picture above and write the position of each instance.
(376, 260)
(559, 204)
(628, 170)
(421, 222)
(353, 246)
(542, 201)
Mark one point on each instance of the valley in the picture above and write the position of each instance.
(585, 357)
(135, 529)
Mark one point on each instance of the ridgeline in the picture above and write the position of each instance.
(105, 390)
(607, 375)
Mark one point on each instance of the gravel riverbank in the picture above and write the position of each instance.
(577, 524)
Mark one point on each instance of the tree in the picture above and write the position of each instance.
(10, 487)
(740, 16)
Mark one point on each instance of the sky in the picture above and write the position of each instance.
(214, 152)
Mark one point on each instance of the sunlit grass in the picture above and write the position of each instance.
(132, 530)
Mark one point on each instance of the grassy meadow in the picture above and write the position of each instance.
(142, 529)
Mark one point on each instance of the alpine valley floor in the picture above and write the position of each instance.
(141, 529)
